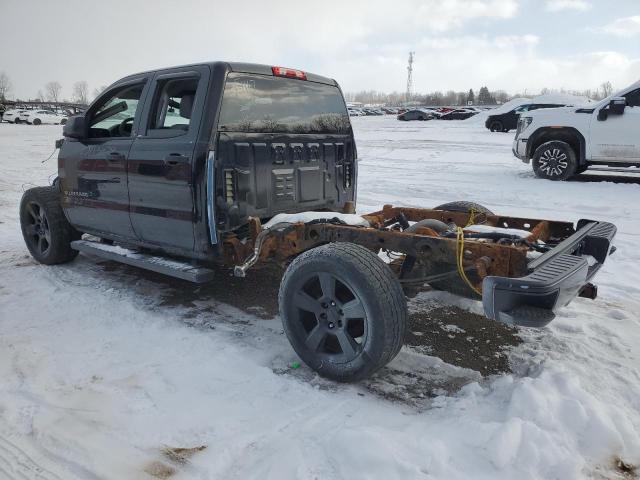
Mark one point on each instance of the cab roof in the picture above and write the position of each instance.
(243, 67)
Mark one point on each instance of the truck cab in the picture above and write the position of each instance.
(563, 142)
(175, 159)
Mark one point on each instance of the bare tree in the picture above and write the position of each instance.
(607, 89)
(40, 96)
(99, 90)
(81, 92)
(53, 91)
(5, 86)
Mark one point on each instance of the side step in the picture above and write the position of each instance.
(166, 266)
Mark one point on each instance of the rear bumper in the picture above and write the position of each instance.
(554, 278)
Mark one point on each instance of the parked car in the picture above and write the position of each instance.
(503, 122)
(415, 114)
(458, 114)
(354, 112)
(38, 117)
(562, 142)
(12, 116)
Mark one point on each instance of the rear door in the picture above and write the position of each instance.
(161, 189)
(93, 170)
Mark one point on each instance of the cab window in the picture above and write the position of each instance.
(115, 115)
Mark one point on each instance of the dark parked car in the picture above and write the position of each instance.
(415, 115)
(504, 122)
(459, 114)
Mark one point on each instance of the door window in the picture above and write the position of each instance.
(173, 106)
(633, 98)
(115, 115)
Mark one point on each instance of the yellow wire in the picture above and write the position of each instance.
(460, 259)
(472, 217)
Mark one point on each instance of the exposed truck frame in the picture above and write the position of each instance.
(343, 307)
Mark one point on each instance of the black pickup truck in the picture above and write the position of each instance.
(188, 170)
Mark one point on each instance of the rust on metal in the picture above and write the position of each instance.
(432, 253)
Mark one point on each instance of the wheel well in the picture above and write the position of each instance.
(565, 134)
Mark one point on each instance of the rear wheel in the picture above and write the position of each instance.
(16, 120)
(554, 160)
(496, 126)
(343, 311)
(45, 229)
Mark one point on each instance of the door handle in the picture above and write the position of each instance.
(114, 157)
(176, 159)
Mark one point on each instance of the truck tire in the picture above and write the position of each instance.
(554, 160)
(466, 207)
(496, 126)
(45, 229)
(457, 285)
(343, 311)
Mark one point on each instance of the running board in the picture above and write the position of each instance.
(166, 266)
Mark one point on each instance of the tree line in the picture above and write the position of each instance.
(51, 92)
(80, 94)
(451, 97)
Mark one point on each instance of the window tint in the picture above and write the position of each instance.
(259, 103)
(173, 104)
(522, 108)
(114, 116)
(633, 98)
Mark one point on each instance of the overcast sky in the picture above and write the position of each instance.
(460, 44)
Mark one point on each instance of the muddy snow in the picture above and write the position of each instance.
(113, 373)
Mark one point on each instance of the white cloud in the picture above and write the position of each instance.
(623, 27)
(561, 5)
(459, 62)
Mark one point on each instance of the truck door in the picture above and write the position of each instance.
(617, 139)
(93, 170)
(161, 159)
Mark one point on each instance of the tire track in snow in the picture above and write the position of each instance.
(15, 463)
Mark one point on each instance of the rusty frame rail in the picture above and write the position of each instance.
(425, 254)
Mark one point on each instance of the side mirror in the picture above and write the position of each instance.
(616, 105)
(603, 114)
(75, 127)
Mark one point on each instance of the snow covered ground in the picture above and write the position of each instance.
(106, 370)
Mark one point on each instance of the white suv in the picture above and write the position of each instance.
(562, 142)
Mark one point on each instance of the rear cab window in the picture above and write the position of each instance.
(265, 104)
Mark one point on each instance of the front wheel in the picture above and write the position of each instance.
(16, 121)
(554, 160)
(343, 311)
(37, 121)
(45, 229)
